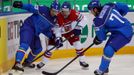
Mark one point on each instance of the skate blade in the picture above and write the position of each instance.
(11, 72)
(14, 72)
(85, 68)
(37, 69)
(105, 73)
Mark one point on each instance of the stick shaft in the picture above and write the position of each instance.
(74, 58)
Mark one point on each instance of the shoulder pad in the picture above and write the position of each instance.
(122, 8)
(98, 22)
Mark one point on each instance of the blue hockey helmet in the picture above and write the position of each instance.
(93, 4)
(55, 5)
(66, 5)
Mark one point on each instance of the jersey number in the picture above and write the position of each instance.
(113, 16)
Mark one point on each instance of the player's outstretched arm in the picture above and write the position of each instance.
(28, 7)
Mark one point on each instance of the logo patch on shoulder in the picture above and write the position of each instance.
(103, 12)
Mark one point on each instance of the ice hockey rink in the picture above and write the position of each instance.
(121, 65)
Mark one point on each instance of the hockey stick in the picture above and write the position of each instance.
(48, 50)
(55, 73)
(51, 24)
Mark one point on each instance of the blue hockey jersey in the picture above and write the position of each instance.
(111, 20)
(41, 18)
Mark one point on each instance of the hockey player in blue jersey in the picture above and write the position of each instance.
(41, 21)
(110, 19)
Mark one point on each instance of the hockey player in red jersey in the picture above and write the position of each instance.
(69, 24)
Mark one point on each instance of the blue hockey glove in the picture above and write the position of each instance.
(96, 41)
(58, 42)
(17, 4)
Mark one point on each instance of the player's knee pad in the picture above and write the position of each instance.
(108, 52)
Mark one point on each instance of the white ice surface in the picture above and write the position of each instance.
(121, 65)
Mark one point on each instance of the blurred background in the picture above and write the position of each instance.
(6, 5)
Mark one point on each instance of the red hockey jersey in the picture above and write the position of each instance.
(66, 23)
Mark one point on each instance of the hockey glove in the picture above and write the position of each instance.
(58, 42)
(17, 4)
(96, 41)
(77, 30)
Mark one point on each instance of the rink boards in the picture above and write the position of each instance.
(9, 40)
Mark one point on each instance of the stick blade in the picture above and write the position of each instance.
(48, 73)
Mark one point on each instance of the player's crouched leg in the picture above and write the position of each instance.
(82, 59)
(20, 57)
(83, 62)
(106, 59)
(27, 61)
(31, 57)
